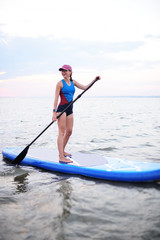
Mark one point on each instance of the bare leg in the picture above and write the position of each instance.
(68, 132)
(60, 140)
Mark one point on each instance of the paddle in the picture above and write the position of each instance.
(22, 154)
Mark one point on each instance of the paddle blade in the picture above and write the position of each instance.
(21, 156)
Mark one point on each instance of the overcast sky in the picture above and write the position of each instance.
(116, 39)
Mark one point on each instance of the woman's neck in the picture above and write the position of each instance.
(67, 79)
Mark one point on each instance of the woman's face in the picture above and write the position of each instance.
(66, 73)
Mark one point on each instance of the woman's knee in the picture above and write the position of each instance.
(69, 132)
(61, 132)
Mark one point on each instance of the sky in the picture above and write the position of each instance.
(116, 39)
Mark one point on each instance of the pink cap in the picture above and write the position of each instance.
(66, 67)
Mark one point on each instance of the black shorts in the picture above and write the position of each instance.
(68, 111)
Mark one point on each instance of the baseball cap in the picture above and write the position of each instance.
(66, 67)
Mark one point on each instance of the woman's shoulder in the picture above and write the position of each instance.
(60, 84)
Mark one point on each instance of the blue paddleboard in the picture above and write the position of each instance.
(90, 165)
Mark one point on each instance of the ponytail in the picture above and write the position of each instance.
(71, 77)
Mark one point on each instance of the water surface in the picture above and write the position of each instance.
(36, 204)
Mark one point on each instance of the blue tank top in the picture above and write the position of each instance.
(67, 92)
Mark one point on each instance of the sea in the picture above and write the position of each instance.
(37, 204)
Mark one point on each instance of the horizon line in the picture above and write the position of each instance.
(114, 96)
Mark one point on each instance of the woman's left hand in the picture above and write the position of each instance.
(99, 78)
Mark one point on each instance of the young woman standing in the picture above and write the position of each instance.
(65, 89)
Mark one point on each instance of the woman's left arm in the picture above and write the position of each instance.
(83, 87)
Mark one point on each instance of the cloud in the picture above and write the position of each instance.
(24, 55)
(2, 73)
(152, 36)
(93, 20)
(146, 56)
(118, 39)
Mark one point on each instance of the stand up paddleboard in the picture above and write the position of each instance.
(90, 165)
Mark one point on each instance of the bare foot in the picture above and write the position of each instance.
(67, 154)
(65, 160)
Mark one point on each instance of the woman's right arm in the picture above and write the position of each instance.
(57, 92)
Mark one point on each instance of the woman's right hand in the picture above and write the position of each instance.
(54, 117)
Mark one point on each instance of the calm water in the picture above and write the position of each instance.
(36, 204)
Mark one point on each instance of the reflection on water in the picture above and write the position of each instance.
(65, 193)
(21, 183)
(64, 190)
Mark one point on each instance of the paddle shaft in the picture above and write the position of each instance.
(21, 156)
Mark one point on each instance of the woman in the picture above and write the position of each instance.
(65, 89)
